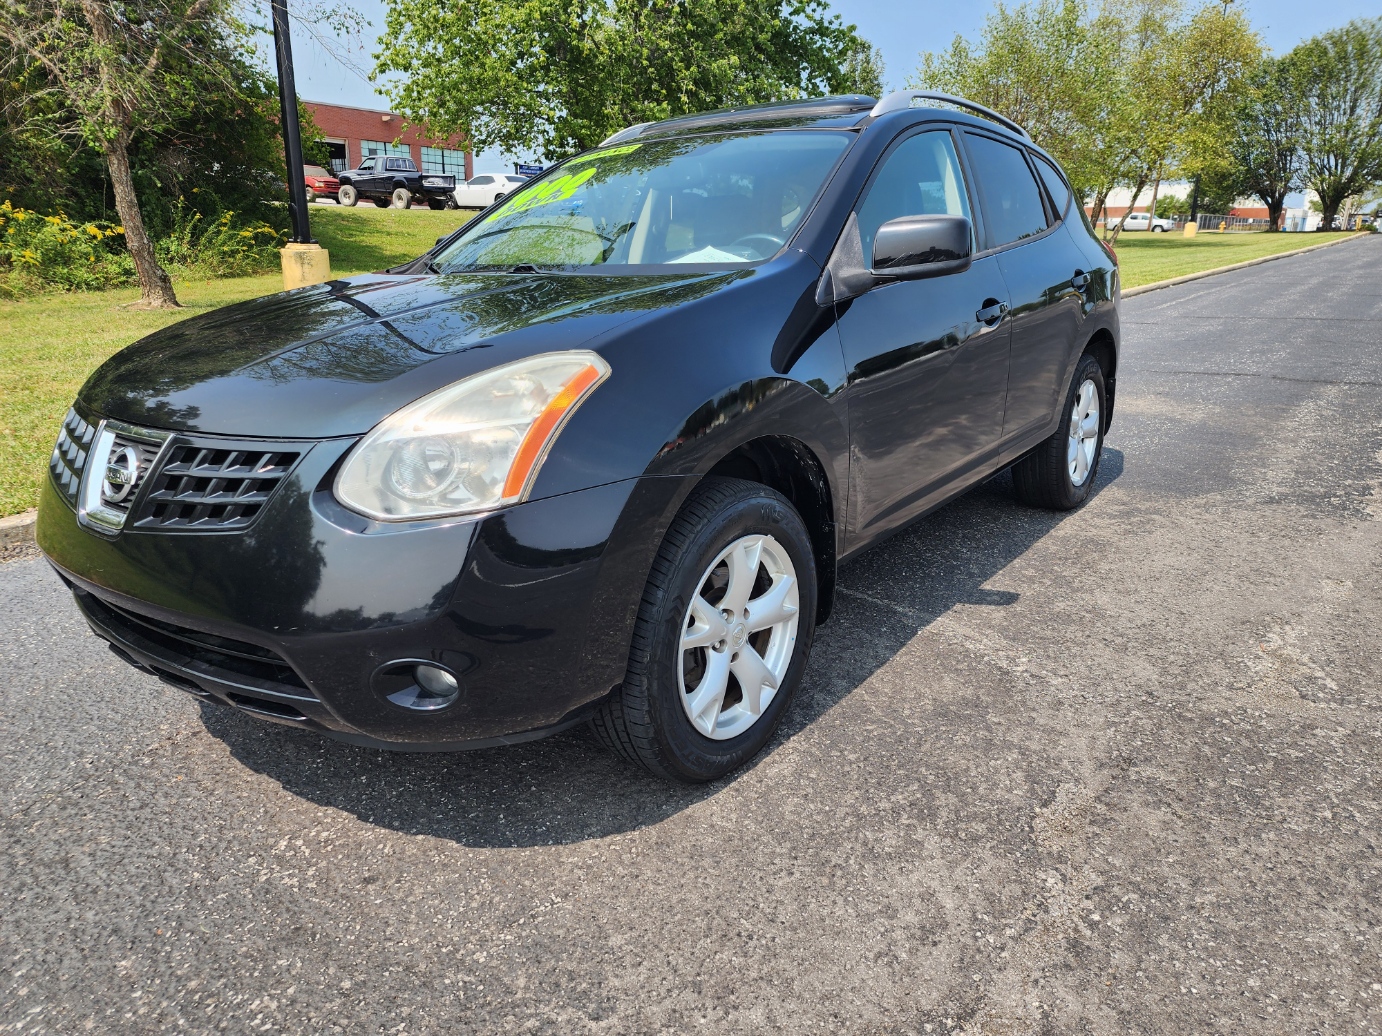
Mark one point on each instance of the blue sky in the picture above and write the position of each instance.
(901, 28)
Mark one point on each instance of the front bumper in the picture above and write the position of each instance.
(296, 618)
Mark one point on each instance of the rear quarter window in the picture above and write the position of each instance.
(1013, 209)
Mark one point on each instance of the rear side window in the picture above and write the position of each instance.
(1055, 186)
(920, 178)
(1012, 200)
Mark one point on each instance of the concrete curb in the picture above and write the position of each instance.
(18, 528)
(1142, 289)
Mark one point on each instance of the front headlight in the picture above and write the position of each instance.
(472, 446)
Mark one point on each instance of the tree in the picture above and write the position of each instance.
(1264, 137)
(117, 67)
(863, 70)
(1339, 76)
(1119, 94)
(553, 77)
(1052, 67)
(1183, 74)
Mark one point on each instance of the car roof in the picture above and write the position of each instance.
(845, 111)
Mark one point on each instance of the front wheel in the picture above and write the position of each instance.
(1060, 473)
(1158, 230)
(722, 635)
(311, 196)
(402, 198)
(348, 196)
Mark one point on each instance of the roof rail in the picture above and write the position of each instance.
(900, 100)
(625, 133)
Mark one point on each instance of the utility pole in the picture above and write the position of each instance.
(304, 261)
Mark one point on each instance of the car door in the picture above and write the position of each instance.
(927, 359)
(1045, 273)
(364, 175)
(478, 192)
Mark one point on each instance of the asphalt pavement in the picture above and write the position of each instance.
(1115, 771)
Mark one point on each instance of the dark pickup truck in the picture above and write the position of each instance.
(387, 180)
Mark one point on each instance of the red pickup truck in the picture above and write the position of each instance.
(320, 183)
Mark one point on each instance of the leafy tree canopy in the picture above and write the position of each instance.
(553, 77)
(1338, 76)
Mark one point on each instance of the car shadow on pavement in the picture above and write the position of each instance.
(567, 789)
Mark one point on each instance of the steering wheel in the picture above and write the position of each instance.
(748, 242)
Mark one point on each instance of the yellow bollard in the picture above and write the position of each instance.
(1191, 229)
(304, 265)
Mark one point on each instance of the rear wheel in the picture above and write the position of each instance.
(382, 203)
(402, 199)
(722, 635)
(1060, 473)
(436, 204)
(347, 196)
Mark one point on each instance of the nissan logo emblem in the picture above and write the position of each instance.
(122, 471)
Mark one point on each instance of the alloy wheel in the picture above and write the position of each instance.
(1084, 433)
(737, 636)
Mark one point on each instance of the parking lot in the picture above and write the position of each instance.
(1106, 772)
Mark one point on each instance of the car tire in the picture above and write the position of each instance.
(452, 203)
(1158, 230)
(435, 205)
(648, 719)
(498, 198)
(1059, 474)
(311, 196)
(401, 198)
(381, 203)
(347, 196)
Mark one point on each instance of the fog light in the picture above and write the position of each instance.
(433, 688)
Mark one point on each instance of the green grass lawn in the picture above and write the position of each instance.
(49, 344)
(1145, 258)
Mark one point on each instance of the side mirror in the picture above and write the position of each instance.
(913, 247)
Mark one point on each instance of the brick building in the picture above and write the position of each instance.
(353, 134)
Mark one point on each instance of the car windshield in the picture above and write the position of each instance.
(314, 170)
(719, 200)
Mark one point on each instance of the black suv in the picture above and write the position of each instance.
(390, 180)
(597, 455)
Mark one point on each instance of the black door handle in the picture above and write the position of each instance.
(1080, 281)
(992, 312)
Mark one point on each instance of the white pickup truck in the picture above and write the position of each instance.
(1139, 221)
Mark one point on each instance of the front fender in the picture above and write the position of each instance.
(772, 406)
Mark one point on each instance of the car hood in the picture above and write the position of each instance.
(336, 358)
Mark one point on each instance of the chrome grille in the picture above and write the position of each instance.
(147, 453)
(69, 455)
(205, 485)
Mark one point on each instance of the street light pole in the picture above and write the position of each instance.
(304, 261)
(288, 119)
